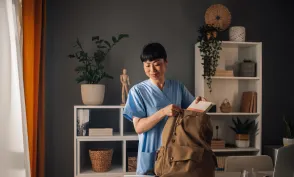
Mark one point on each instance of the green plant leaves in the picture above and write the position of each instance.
(95, 38)
(99, 41)
(107, 43)
(246, 127)
(80, 69)
(114, 40)
(121, 36)
(289, 127)
(79, 44)
(234, 129)
(101, 47)
(209, 50)
(71, 56)
(80, 79)
(91, 70)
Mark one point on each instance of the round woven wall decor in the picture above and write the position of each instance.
(219, 16)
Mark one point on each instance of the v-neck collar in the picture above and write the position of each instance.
(165, 86)
(163, 92)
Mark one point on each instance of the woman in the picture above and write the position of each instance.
(150, 102)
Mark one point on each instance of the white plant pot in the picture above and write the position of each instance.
(92, 94)
(242, 143)
(288, 141)
(242, 140)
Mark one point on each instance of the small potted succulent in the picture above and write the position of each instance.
(243, 131)
(289, 137)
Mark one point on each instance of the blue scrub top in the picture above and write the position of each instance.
(144, 99)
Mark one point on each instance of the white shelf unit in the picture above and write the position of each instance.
(119, 139)
(231, 88)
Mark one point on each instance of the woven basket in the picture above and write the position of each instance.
(101, 159)
(226, 106)
(219, 16)
(132, 164)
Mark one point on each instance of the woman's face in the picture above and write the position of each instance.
(155, 70)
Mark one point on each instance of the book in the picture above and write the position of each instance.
(249, 102)
(217, 144)
(224, 73)
(100, 132)
(201, 106)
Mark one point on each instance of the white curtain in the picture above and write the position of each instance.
(14, 156)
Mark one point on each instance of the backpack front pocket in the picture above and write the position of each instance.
(184, 159)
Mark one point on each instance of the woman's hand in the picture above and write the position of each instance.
(171, 110)
(199, 98)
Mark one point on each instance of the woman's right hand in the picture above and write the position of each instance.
(171, 110)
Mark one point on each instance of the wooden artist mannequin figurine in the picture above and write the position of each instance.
(125, 81)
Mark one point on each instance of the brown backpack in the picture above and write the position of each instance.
(185, 149)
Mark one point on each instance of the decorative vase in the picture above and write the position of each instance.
(237, 33)
(247, 69)
(288, 141)
(92, 94)
(242, 140)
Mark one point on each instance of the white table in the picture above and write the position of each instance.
(220, 174)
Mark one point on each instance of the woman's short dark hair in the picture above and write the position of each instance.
(153, 51)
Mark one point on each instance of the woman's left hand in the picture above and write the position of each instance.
(199, 98)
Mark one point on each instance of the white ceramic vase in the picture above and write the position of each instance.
(288, 141)
(242, 140)
(237, 33)
(242, 143)
(92, 94)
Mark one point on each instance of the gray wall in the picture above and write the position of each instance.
(174, 24)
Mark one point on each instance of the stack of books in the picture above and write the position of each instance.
(100, 132)
(224, 73)
(221, 162)
(217, 144)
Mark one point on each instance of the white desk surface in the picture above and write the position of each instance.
(219, 174)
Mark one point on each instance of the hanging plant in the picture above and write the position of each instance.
(209, 47)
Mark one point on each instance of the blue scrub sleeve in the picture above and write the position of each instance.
(187, 97)
(134, 106)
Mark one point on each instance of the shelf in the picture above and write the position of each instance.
(131, 135)
(115, 171)
(226, 174)
(98, 107)
(236, 150)
(115, 137)
(232, 114)
(235, 78)
(239, 44)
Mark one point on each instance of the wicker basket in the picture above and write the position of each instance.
(226, 106)
(101, 159)
(132, 164)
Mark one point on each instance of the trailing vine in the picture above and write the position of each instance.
(209, 47)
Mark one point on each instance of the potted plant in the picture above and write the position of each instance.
(289, 138)
(243, 131)
(209, 46)
(91, 69)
